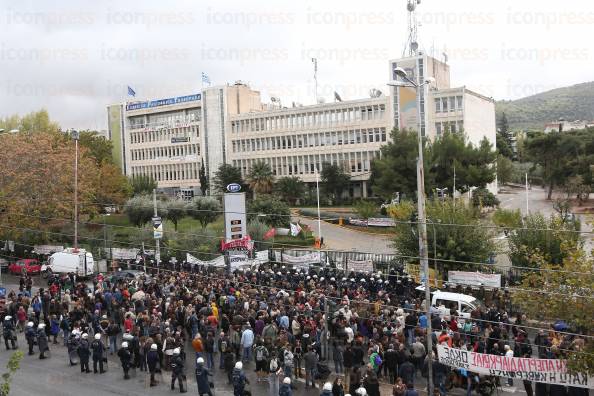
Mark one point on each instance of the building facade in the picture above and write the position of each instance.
(169, 139)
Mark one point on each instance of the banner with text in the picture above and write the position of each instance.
(299, 261)
(47, 249)
(359, 266)
(548, 371)
(474, 278)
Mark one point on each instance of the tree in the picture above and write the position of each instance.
(203, 177)
(290, 188)
(503, 147)
(36, 121)
(139, 209)
(554, 151)
(269, 210)
(14, 363)
(396, 169)
(261, 178)
(365, 209)
(481, 197)
(563, 291)
(114, 187)
(205, 209)
(575, 186)
(225, 175)
(98, 147)
(176, 209)
(505, 169)
(507, 219)
(142, 184)
(454, 230)
(37, 179)
(334, 180)
(542, 237)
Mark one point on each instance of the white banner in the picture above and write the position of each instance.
(548, 371)
(238, 260)
(360, 266)
(474, 278)
(217, 262)
(299, 261)
(47, 249)
(124, 254)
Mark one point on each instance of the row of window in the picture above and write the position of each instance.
(168, 172)
(165, 152)
(310, 119)
(451, 126)
(357, 161)
(449, 103)
(165, 134)
(169, 119)
(335, 138)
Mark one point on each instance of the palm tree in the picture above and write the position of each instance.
(261, 178)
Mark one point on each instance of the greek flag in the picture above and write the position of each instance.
(131, 92)
(205, 78)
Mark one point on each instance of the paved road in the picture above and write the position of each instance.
(340, 238)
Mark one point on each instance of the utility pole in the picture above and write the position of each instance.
(423, 253)
(157, 247)
(318, 197)
(454, 191)
(527, 194)
(75, 136)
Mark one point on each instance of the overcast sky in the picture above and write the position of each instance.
(75, 57)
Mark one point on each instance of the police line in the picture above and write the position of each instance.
(548, 371)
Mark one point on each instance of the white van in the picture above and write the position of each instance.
(461, 303)
(80, 262)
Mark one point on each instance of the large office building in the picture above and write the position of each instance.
(169, 139)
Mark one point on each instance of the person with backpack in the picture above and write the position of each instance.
(98, 352)
(261, 358)
(274, 371)
(239, 380)
(375, 360)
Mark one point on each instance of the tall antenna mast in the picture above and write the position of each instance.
(412, 45)
(315, 62)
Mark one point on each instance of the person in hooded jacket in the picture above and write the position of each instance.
(30, 337)
(42, 340)
(202, 381)
(84, 352)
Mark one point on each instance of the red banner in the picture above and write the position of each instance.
(243, 243)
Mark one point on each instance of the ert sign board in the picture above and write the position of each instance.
(235, 217)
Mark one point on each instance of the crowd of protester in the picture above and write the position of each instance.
(344, 333)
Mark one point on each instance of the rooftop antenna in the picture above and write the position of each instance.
(315, 62)
(412, 45)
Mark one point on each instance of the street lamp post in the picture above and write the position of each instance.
(318, 198)
(75, 136)
(422, 225)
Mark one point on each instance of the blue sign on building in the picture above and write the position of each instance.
(163, 102)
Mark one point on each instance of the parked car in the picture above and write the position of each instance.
(4, 264)
(129, 275)
(30, 266)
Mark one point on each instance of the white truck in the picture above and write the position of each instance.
(70, 260)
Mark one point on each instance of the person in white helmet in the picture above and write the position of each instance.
(152, 360)
(327, 389)
(177, 371)
(285, 389)
(125, 358)
(84, 352)
(202, 381)
(42, 340)
(239, 380)
(98, 352)
(30, 337)
(9, 332)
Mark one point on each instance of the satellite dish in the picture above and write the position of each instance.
(375, 93)
(414, 46)
(411, 6)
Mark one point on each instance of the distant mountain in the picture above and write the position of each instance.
(532, 112)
